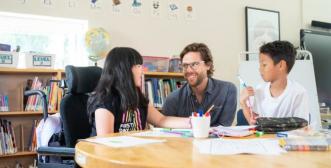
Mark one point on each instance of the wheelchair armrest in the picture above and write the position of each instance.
(58, 151)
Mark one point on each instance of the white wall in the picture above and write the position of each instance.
(219, 23)
(319, 10)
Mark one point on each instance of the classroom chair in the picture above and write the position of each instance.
(241, 120)
(73, 110)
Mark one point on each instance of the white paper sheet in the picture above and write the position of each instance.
(165, 132)
(156, 134)
(124, 141)
(233, 146)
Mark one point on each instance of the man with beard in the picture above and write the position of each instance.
(201, 91)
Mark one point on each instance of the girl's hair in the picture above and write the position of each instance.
(117, 79)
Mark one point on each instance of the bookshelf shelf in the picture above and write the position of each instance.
(164, 74)
(30, 70)
(22, 113)
(24, 153)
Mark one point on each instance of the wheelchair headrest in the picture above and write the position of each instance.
(82, 79)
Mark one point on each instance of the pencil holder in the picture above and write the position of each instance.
(200, 126)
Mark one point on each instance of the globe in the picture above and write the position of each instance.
(97, 41)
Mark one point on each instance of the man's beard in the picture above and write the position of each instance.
(198, 80)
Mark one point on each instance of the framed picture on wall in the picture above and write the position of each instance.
(262, 26)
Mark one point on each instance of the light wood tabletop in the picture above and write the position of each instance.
(180, 152)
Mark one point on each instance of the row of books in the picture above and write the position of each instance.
(4, 104)
(34, 103)
(158, 89)
(7, 138)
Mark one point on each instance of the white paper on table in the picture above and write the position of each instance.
(123, 141)
(155, 134)
(233, 146)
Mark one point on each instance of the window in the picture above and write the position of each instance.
(43, 34)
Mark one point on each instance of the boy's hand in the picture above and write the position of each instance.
(252, 120)
(245, 93)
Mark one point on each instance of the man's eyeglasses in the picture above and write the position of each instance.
(193, 65)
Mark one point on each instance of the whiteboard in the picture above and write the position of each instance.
(302, 72)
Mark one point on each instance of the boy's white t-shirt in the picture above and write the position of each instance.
(293, 102)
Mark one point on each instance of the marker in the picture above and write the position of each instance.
(181, 132)
(200, 112)
(242, 83)
(161, 129)
(259, 133)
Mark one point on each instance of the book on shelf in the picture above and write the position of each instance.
(34, 102)
(156, 90)
(8, 143)
(4, 104)
(33, 137)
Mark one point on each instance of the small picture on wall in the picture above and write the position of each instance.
(136, 7)
(117, 6)
(262, 26)
(189, 12)
(173, 10)
(156, 8)
(94, 4)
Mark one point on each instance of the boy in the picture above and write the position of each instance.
(279, 96)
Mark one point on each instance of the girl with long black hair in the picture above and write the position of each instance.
(118, 105)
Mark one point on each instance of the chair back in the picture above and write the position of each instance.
(241, 120)
(73, 107)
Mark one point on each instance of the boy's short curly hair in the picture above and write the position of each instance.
(280, 50)
(204, 52)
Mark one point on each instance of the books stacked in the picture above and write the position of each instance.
(4, 105)
(7, 138)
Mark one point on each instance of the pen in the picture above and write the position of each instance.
(161, 129)
(245, 86)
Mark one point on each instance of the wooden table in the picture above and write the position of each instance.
(180, 152)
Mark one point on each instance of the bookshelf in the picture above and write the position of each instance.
(157, 82)
(12, 84)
